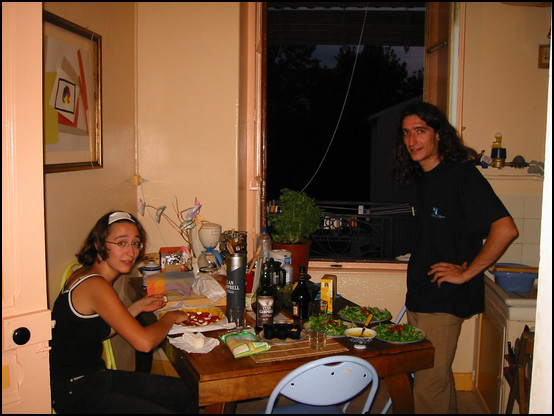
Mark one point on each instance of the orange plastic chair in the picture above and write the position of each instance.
(107, 354)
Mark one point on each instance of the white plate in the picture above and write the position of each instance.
(303, 337)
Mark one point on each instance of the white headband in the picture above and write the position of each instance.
(118, 216)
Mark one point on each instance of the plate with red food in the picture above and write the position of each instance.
(201, 318)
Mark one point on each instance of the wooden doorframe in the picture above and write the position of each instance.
(25, 360)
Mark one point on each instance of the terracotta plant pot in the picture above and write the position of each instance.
(299, 252)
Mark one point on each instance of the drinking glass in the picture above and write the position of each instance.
(237, 315)
(318, 339)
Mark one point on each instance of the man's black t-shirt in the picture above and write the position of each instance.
(455, 208)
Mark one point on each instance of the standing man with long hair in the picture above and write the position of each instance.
(456, 208)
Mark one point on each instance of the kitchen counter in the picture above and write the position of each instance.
(505, 316)
(516, 306)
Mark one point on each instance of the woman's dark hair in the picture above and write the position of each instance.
(450, 146)
(94, 247)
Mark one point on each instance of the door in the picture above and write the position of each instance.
(489, 366)
(26, 322)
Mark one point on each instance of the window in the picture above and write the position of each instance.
(303, 114)
(335, 71)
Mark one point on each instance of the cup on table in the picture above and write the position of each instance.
(237, 315)
(318, 339)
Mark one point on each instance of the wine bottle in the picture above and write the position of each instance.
(264, 299)
(301, 297)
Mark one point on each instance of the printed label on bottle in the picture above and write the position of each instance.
(295, 310)
(265, 310)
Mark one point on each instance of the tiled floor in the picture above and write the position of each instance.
(469, 402)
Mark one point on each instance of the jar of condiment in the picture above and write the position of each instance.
(149, 269)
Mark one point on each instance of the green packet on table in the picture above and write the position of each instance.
(244, 342)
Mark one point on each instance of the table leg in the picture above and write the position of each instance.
(143, 361)
(220, 409)
(401, 394)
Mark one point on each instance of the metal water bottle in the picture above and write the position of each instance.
(236, 281)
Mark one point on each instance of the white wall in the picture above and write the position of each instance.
(504, 90)
(188, 86)
(74, 201)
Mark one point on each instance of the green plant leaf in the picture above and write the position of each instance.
(298, 217)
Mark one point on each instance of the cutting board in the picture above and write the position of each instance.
(281, 352)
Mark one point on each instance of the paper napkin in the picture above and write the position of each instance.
(194, 343)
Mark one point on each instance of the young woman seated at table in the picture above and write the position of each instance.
(88, 310)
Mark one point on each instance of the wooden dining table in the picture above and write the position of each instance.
(219, 380)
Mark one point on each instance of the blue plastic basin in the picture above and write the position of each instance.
(514, 281)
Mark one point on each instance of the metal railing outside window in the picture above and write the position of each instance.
(363, 231)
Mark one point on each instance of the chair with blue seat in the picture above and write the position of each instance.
(325, 386)
(107, 354)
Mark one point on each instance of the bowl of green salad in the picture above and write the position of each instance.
(334, 328)
(359, 314)
(399, 333)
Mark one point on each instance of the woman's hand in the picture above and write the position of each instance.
(153, 302)
(147, 304)
(179, 317)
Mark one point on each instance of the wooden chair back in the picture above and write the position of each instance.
(519, 375)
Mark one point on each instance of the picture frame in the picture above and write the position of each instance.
(72, 89)
(544, 56)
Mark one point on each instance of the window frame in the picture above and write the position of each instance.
(441, 87)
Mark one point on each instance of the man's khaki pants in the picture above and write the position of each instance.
(434, 389)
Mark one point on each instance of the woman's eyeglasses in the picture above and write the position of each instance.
(137, 245)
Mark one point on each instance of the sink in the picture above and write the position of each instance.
(516, 306)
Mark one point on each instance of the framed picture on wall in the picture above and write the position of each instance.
(72, 86)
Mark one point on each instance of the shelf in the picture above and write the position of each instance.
(509, 173)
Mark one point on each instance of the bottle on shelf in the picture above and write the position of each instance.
(287, 267)
(301, 297)
(264, 300)
(263, 239)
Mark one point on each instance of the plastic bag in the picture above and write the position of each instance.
(244, 343)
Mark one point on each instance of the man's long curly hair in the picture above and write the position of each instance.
(94, 247)
(451, 148)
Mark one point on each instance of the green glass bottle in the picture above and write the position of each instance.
(301, 297)
(265, 299)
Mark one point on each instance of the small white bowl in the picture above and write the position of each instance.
(353, 334)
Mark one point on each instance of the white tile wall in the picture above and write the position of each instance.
(526, 212)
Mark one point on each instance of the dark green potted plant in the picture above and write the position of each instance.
(297, 219)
